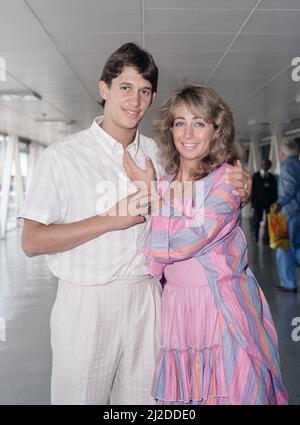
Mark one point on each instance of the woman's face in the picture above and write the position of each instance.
(192, 134)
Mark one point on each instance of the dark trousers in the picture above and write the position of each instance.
(289, 259)
(257, 218)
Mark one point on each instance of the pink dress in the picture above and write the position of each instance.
(191, 339)
(218, 341)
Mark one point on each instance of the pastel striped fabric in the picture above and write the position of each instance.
(248, 337)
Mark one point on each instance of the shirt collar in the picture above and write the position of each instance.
(111, 144)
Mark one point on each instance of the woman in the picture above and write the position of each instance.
(219, 344)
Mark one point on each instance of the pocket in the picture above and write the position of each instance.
(53, 315)
(55, 307)
(157, 286)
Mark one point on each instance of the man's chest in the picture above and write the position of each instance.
(95, 184)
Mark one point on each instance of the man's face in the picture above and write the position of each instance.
(127, 99)
(282, 156)
(265, 165)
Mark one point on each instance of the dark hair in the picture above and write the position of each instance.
(130, 54)
(207, 104)
(268, 162)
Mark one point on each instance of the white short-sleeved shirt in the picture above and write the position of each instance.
(81, 177)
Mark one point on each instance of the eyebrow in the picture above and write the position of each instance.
(130, 84)
(194, 118)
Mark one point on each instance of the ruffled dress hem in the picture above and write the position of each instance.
(190, 376)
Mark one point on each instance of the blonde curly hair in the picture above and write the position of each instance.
(202, 101)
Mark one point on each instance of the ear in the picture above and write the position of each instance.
(103, 89)
(153, 96)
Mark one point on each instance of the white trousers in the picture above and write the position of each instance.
(105, 340)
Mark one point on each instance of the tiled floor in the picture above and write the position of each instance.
(27, 292)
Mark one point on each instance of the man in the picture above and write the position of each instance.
(264, 194)
(105, 320)
(289, 201)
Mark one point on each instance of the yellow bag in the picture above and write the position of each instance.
(278, 230)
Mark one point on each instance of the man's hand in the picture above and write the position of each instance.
(131, 210)
(136, 174)
(239, 177)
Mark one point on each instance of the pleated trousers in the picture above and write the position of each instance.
(105, 340)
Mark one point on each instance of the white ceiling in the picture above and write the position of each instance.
(242, 48)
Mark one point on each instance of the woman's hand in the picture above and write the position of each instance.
(239, 177)
(136, 174)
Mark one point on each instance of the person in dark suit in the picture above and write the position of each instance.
(264, 194)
